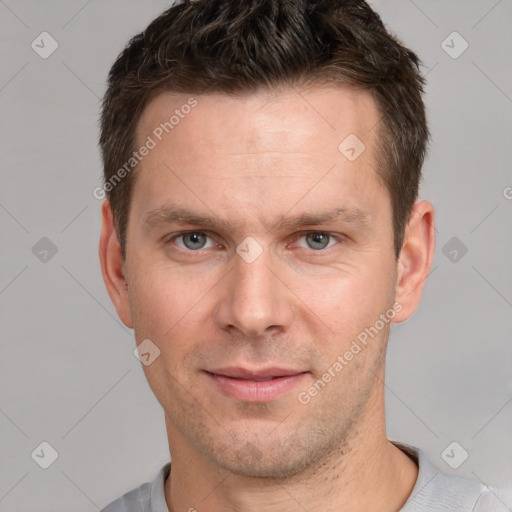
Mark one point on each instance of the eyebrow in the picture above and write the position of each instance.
(179, 215)
(346, 215)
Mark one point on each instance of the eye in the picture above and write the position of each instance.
(317, 240)
(194, 240)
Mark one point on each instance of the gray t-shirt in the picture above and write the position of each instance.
(433, 492)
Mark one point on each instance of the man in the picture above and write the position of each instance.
(262, 232)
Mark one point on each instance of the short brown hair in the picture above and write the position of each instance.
(242, 46)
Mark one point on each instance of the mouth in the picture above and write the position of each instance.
(260, 386)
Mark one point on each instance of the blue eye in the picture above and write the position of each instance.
(318, 240)
(194, 241)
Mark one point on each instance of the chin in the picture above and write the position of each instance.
(267, 460)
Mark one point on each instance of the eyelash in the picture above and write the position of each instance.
(337, 237)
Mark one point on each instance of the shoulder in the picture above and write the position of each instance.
(495, 500)
(134, 501)
(148, 497)
(441, 492)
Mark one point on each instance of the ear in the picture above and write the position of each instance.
(113, 265)
(415, 259)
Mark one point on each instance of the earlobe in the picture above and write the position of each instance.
(113, 266)
(415, 259)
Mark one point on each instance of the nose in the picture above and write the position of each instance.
(254, 301)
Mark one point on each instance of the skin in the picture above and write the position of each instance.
(253, 161)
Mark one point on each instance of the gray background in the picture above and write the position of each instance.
(68, 373)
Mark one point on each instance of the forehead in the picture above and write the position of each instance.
(292, 121)
(260, 153)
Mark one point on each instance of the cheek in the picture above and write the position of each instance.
(348, 302)
(163, 312)
(169, 308)
(161, 295)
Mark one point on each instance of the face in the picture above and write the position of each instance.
(258, 255)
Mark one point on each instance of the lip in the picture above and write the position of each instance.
(260, 386)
